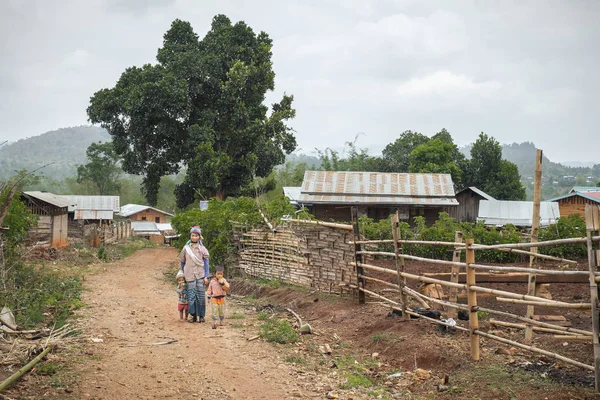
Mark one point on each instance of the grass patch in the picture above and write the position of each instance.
(46, 368)
(280, 331)
(237, 316)
(355, 380)
(272, 283)
(237, 325)
(296, 359)
(263, 316)
(378, 337)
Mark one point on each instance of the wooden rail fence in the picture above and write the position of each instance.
(468, 281)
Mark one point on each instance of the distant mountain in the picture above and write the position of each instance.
(64, 148)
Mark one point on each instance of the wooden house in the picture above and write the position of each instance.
(329, 195)
(574, 202)
(92, 209)
(53, 216)
(468, 204)
(136, 212)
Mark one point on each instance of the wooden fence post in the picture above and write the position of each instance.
(458, 237)
(399, 263)
(592, 224)
(535, 227)
(358, 257)
(472, 300)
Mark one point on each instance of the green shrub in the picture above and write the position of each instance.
(38, 291)
(572, 226)
(278, 331)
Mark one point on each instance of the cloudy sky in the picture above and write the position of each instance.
(517, 70)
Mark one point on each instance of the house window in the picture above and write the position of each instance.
(143, 218)
(157, 220)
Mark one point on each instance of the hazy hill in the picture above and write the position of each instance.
(65, 148)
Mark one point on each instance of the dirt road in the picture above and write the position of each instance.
(131, 307)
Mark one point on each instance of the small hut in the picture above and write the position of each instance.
(53, 216)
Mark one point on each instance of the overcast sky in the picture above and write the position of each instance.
(517, 70)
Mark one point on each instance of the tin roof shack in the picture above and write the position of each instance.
(53, 216)
(468, 204)
(330, 194)
(574, 202)
(136, 212)
(159, 233)
(93, 209)
(292, 193)
(517, 213)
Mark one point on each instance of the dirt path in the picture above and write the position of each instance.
(132, 307)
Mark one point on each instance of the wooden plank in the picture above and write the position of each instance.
(358, 257)
(472, 301)
(592, 223)
(512, 278)
(458, 237)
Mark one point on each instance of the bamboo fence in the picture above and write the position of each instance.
(398, 277)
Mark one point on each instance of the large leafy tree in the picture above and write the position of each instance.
(436, 156)
(102, 170)
(489, 172)
(396, 155)
(200, 106)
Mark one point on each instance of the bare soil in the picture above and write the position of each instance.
(132, 308)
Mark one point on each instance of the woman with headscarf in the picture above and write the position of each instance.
(194, 264)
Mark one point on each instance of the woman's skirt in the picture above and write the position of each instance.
(196, 298)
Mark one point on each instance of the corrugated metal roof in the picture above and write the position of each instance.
(145, 227)
(584, 189)
(382, 200)
(50, 198)
(130, 209)
(164, 227)
(518, 213)
(93, 214)
(293, 193)
(479, 192)
(377, 183)
(96, 203)
(594, 196)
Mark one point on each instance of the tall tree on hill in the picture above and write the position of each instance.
(397, 154)
(200, 106)
(490, 173)
(102, 170)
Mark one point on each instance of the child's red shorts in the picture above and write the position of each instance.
(181, 307)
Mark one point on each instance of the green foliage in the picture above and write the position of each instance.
(436, 156)
(170, 113)
(102, 255)
(46, 368)
(356, 380)
(356, 160)
(102, 169)
(278, 331)
(378, 337)
(42, 296)
(296, 359)
(215, 223)
(237, 316)
(18, 221)
(263, 316)
(397, 154)
(572, 226)
(490, 173)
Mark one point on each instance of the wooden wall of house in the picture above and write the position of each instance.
(468, 207)
(151, 216)
(574, 205)
(341, 213)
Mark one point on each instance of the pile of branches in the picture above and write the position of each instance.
(19, 346)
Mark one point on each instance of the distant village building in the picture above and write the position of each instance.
(53, 216)
(149, 222)
(468, 204)
(137, 212)
(574, 202)
(92, 209)
(329, 195)
(517, 213)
